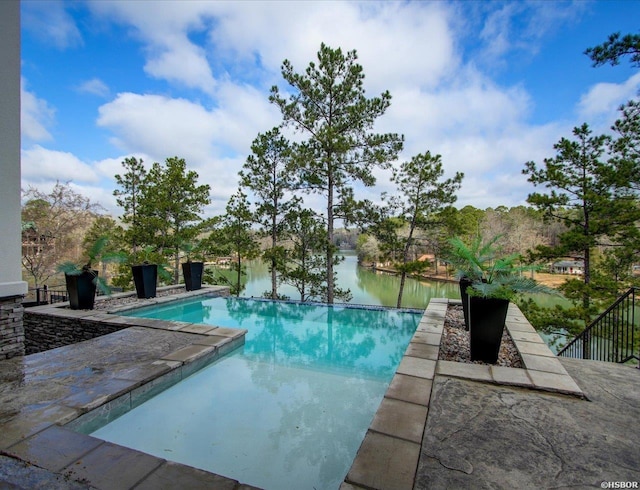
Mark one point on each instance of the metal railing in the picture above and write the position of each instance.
(612, 337)
(45, 295)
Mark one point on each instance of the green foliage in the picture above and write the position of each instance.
(306, 260)
(422, 194)
(492, 275)
(267, 173)
(132, 185)
(194, 249)
(162, 206)
(98, 251)
(615, 48)
(472, 261)
(233, 236)
(329, 107)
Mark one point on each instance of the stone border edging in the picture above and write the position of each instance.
(389, 454)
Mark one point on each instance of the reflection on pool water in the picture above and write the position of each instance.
(290, 408)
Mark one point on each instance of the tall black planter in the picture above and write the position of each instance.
(192, 272)
(464, 284)
(486, 322)
(145, 277)
(82, 290)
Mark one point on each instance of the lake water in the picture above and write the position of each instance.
(367, 287)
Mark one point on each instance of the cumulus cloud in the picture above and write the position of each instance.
(214, 142)
(49, 21)
(171, 55)
(228, 54)
(41, 164)
(36, 115)
(95, 86)
(599, 100)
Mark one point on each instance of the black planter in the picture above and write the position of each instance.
(464, 284)
(82, 290)
(145, 277)
(486, 324)
(192, 272)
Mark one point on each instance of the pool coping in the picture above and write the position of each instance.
(389, 454)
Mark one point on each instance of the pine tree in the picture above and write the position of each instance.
(330, 109)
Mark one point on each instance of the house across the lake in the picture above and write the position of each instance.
(575, 267)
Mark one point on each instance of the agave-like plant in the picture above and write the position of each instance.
(492, 276)
(472, 261)
(95, 253)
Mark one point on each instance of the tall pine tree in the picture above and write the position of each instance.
(329, 108)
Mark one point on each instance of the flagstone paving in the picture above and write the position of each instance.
(442, 424)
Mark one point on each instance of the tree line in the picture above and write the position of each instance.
(586, 205)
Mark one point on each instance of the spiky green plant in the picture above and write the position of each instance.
(95, 253)
(493, 276)
(471, 261)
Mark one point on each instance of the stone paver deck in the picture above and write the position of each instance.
(467, 439)
(441, 424)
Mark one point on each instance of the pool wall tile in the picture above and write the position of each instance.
(158, 385)
(198, 363)
(96, 396)
(102, 415)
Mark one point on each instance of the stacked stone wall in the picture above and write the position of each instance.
(45, 332)
(11, 327)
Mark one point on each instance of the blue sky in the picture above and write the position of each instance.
(488, 85)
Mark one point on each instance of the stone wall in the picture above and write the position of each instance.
(51, 326)
(11, 327)
(44, 331)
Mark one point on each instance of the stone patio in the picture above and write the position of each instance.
(442, 424)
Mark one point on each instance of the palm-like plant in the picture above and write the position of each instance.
(96, 253)
(472, 261)
(490, 275)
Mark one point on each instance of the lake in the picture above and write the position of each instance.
(367, 287)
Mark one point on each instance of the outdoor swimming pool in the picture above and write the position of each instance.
(287, 410)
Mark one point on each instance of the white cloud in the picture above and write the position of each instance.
(603, 97)
(49, 21)
(36, 115)
(41, 165)
(171, 55)
(443, 98)
(215, 142)
(94, 86)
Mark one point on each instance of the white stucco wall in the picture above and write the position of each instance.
(11, 283)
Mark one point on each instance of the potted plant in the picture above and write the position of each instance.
(489, 298)
(192, 270)
(83, 280)
(145, 274)
(470, 264)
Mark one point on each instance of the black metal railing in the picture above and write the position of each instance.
(45, 296)
(612, 337)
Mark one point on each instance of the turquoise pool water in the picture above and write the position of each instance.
(290, 408)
